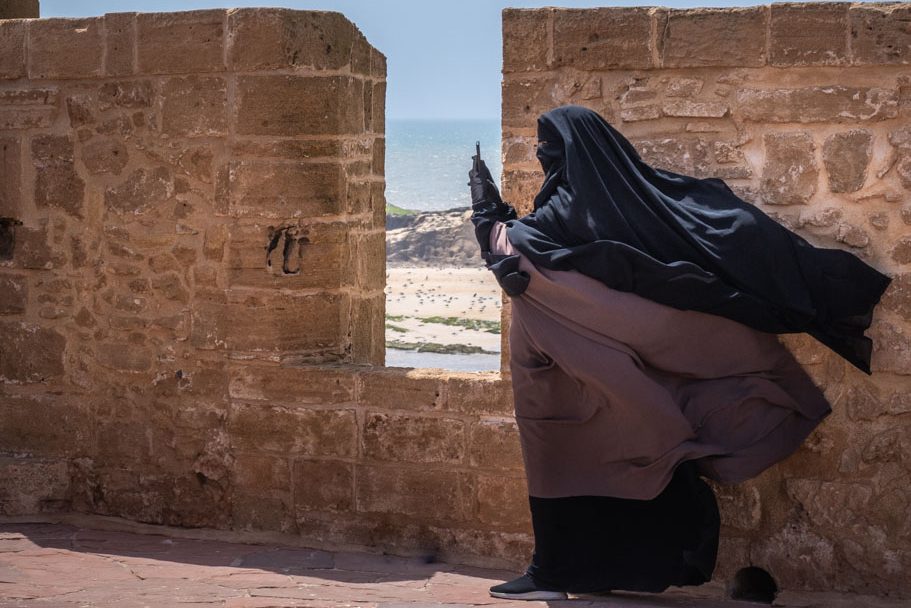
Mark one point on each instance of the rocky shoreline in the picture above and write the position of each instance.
(432, 238)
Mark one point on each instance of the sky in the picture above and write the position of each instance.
(444, 57)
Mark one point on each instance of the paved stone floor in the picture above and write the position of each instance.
(69, 566)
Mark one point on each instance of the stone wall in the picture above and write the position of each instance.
(18, 9)
(804, 110)
(192, 267)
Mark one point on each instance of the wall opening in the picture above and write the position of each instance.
(443, 306)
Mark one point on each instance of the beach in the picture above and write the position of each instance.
(442, 304)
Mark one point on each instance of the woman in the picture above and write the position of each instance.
(643, 354)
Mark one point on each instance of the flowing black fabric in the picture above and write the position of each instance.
(686, 242)
(604, 543)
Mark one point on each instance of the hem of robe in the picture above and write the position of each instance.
(781, 403)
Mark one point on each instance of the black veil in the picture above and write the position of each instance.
(686, 242)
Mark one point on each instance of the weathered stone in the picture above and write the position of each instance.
(740, 506)
(808, 34)
(308, 385)
(290, 256)
(265, 322)
(821, 218)
(400, 389)
(408, 438)
(27, 108)
(420, 493)
(56, 181)
(851, 235)
(495, 444)
(830, 504)
(525, 98)
(296, 431)
(266, 39)
(879, 219)
(10, 178)
(262, 492)
(142, 189)
(644, 112)
(525, 39)
(796, 557)
(126, 94)
(284, 189)
(879, 33)
(12, 49)
(105, 155)
(45, 425)
(80, 110)
(897, 297)
(299, 105)
(30, 353)
(65, 48)
(901, 252)
(891, 348)
(19, 9)
(712, 37)
(597, 39)
(194, 106)
(323, 485)
(834, 103)
(29, 486)
(846, 156)
(790, 172)
(683, 87)
(120, 40)
(13, 294)
(180, 43)
(478, 394)
(503, 502)
(698, 109)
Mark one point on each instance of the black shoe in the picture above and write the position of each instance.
(524, 588)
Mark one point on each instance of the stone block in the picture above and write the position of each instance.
(32, 485)
(12, 49)
(127, 94)
(28, 108)
(790, 173)
(478, 394)
(30, 353)
(142, 189)
(733, 36)
(274, 38)
(261, 497)
(65, 48)
(897, 297)
(891, 347)
(180, 43)
(289, 256)
(495, 445)
(369, 260)
(10, 178)
(270, 322)
(378, 102)
(879, 33)
(56, 181)
(525, 39)
(194, 106)
(269, 189)
(46, 425)
(292, 431)
(367, 331)
(13, 294)
(696, 109)
(400, 389)
(503, 503)
(803, 34)
(278, 104)
(323, 485)
(105, 155)
(834, 103)
(601, 39)
(408, 438)
(19, 9)
(421, 493)
(525, 98)
(293, 385)
(846, 156)
(120, 43)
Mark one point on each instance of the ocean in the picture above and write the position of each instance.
(427, 161)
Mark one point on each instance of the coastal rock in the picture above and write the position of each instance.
(432, 238)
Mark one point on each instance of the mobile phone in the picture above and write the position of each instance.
(477, 147)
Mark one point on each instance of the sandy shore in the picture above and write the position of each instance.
(456, 295)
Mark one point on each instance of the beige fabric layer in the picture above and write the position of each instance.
(613, 390)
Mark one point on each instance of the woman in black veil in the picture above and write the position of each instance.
(651, 299)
